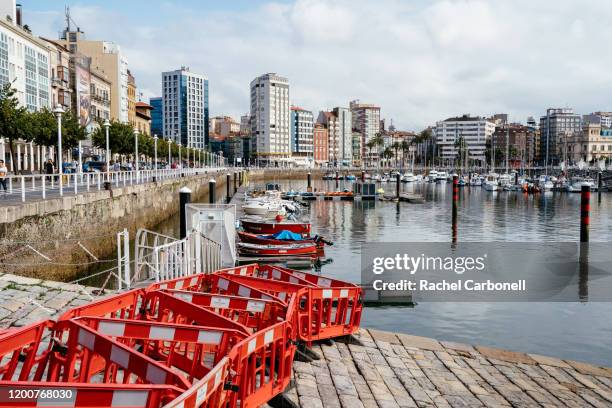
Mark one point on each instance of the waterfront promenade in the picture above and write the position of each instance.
(383, 369)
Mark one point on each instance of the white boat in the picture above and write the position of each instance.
(419, 177)
(490, 182)
(264, 208)
(393, 176)
(442, 177)
(504, 181)
(376, 177)
(545, 183)
(409, 178)
(384, 178)
(575, 186)
(476, 180)
(431, 176)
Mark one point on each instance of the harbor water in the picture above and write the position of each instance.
(578, 331)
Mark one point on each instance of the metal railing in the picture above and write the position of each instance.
(160, 257)
(36, 186)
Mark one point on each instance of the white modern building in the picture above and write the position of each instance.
(270, 119)
(185, 107)
(475, 131)
(24, 61)
(345, 130)
(302, 136)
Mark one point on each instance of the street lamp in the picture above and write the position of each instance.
(180, 163)
(136, 148)
(155, 163)
(169, 153)
(106, 125)
(59, 111)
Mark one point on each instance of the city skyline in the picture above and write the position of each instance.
(519, 58)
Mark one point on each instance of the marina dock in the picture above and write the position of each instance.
(382, 369)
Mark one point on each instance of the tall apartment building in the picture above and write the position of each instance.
(302, 126)
(320, 144)
(330, 121)
(345, 128)
(107, 58)
(475, 131)
(24, 61)
(520, 140)
(131, 99)
(59, 59)
(270, 118)
(157, 116)
(558, 125)
(185, 107)
(366, 121)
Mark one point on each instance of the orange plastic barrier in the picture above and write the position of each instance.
(225, 339)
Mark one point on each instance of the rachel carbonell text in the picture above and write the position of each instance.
(449, 286)
(413, 264)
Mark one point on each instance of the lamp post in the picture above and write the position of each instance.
(180, 157)
(136, 153)
(169, 153)
(106, 125)
(155, 144)
(59, 111)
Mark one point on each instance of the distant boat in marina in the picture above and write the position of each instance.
(490, 183)
(409, 178)
(575, 186)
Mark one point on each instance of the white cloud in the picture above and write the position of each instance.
(421, 61)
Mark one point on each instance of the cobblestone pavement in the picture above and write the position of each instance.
(28, 300)
(397, 370)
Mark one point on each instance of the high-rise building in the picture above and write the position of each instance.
(302, 126)
(475, 131)
(602, 118)
(185, 107)
(270, 119)
(558, 125)
(320, 144)
(330, 121)
(366, 121)
(107, 58)
(345, 130)
(157, 116)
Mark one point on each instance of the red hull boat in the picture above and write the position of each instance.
(272, 227)
(269, 239)
(308, 249)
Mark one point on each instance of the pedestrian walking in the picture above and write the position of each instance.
(3, 176)
(49, 168)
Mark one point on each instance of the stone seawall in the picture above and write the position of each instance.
(64, 229)
(61, 228)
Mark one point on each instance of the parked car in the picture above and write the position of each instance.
(94, 166)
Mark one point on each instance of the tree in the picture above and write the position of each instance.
(14, 123)
(396, 146)
(387, 154)
(120, 137)
(405, 147)
(378, 142)
(369, 146)
(72, 131)
(44, 127)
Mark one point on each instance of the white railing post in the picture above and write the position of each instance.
(75, 180)
(126, 243)
(23, 189)
(44, 187)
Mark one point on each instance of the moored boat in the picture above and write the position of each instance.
(302, 249)
(282, 238)
(264, 226)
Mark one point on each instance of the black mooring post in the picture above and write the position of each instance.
(309, 178)
(212, 191)
(585, 212)
(235, 182)
(397, 186)
(227, 188)
(184, 199)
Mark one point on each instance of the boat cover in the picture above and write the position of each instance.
(287, 236)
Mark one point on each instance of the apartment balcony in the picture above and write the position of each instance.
(57, 82)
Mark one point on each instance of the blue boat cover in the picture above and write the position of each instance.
(287, 236)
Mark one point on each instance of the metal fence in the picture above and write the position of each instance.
(160, 257)
(36, 186)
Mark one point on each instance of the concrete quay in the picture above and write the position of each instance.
(376, 369)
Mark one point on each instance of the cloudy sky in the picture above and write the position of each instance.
(420, 60)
